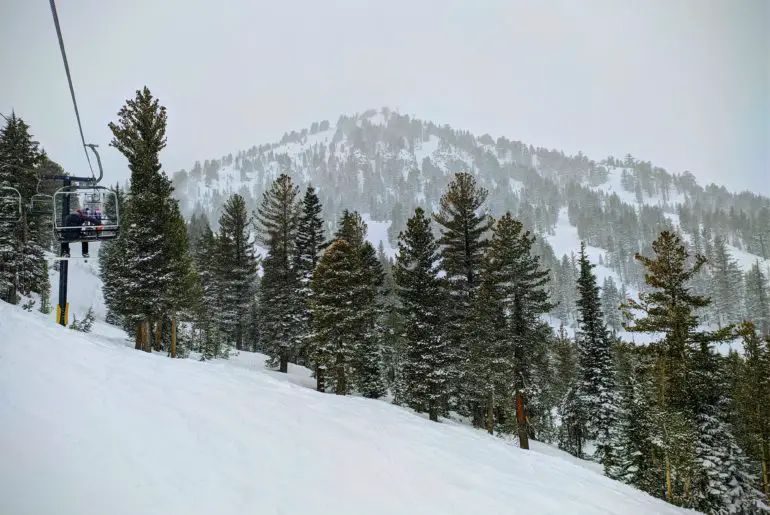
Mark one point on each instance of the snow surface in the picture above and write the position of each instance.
(91, 426)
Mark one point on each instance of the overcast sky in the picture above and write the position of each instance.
(683, 83)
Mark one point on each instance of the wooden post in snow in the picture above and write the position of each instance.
(521, 422)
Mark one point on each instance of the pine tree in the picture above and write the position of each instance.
(237, 281)
(668, 308)
(352, 228)
(335, 317)
(758, 298)
(366, 284)
(725, 286)
(565, 363)
(596, 389)
(111, 265)
(421, 293)
(23, 268)
(462, 245)
(753, 401)
(310, 244)
(635, 440)
(210, 271)
(520, 283)
(611, 300)
(154, 243)
(721, 482)
(280, 307)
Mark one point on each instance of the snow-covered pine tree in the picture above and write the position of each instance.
(23, 268)
(462, 244)
(426, 356)
(565, 357)
(310, 243)
(596, 387)
(154, 240)
(281, 311)
(637, 433)
(367, 283)
(753, 403)
(610, 296)
(352, 228)
(521, 282)
(210, 270)
(669, 307)
(335, 317)
(111, 263)
(721, 482)
(758, 298)
(726, 285)
(237, 280)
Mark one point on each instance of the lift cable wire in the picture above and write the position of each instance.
(69, 80)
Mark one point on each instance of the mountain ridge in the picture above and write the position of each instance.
(384, 164)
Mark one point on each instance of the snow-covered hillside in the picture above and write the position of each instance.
(91, 426)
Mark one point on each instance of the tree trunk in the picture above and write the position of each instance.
(146, 336)
(766, 468)
(669, 493)
(284, 366)
(341, 388)
(173, 335)
(139, 341)
(521, 422)
(238, 336)
(158, 334)
(491, 413)
(319, 379)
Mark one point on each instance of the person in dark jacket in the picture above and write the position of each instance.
(72, 231)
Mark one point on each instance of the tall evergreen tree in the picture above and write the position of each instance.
(462, 245)
(520, 283)
(422, 299)
(758, 298)
(596, 389)
(154, 241)
(721, 481)
(237, 281)
(367, 282)
(277, 221)
(111, 266)
(753, 401)
(637, 435)
(336, 323)
(23, 268)
(210, 269)
(310, 243)
(725, 286)
(611, 300)
(668, 308)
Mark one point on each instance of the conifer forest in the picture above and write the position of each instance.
(606, 307)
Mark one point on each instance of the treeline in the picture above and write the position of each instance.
(25, 233)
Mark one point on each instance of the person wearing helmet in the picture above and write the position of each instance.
(73, 224)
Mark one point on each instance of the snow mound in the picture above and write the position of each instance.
(90, 426)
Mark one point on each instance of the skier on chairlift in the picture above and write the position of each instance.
(73, 220)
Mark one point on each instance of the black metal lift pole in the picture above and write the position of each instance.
(64, 264)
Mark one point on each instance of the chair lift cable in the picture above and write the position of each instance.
(69, 80)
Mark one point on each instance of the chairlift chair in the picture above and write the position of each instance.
(10, 204)
(91, 196)
(41, 204)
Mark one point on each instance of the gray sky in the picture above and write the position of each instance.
(683, 83)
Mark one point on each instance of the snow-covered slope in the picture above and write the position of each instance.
(90, 426)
